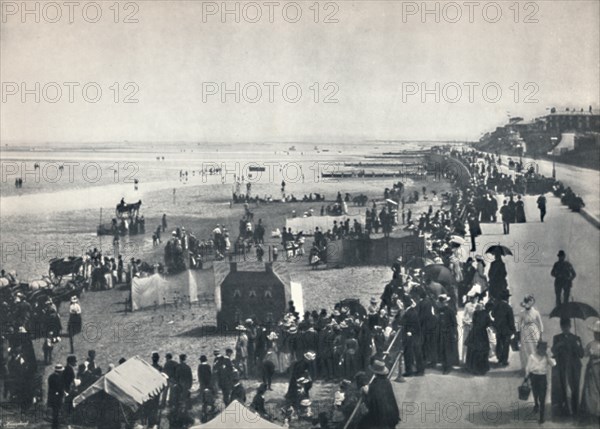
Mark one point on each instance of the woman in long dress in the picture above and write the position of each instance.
(590, 398)
(478, 344)
(530, 329)
(520, 211)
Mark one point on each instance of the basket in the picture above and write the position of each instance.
(524, 391)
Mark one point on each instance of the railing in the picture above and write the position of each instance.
(396, 359)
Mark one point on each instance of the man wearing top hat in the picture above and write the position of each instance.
(504, 322)
(564, 274)
(56, 394)
(381, 401)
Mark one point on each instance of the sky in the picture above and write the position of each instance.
(177, 64)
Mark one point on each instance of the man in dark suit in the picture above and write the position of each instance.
(56, 394)
(183, 378)
(568, 351)
(564, 274)
(505, 214)
(225, 375)
(155, 360)
(204, 374)
(504, 322)
(413, 355)
(497, 276)
(69, 372)
(169, 369)
(381, 402)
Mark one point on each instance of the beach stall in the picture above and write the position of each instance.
(132, 383)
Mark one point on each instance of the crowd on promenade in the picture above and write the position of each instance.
(416, 314)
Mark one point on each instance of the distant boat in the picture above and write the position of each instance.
(325, 150)
(292, 148)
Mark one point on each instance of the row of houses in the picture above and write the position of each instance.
(555, 133)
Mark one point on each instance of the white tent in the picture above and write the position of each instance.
(237, 416)
(132, 383)
(158, 289)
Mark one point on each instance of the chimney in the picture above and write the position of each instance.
(233, 267)
(269, 267)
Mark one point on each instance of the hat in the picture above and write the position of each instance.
(527, 299)
(249, 321)
(59, 368)
(305, 403)
(561, 253)
(443, 297)
(240, 328)
(595, 327)
(272, 336)
(374, 300)
(310, 355)
(378, 367)
(293, 330)
(74, 299)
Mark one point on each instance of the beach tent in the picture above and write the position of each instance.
(132, 383)
(158, 289)
(238, 416)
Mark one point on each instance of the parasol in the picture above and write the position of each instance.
(499, 248)
(574, 310)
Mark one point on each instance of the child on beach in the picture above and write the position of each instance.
(538, 366)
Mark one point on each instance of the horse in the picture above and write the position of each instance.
(43, 283)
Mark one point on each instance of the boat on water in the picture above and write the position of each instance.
(292, 148)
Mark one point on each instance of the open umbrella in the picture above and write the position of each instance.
(418, 262)
(439, 273)
(499, 248)
(574, 310)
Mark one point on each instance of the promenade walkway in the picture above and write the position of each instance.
(460, 400)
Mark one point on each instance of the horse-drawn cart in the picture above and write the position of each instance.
(127, 220)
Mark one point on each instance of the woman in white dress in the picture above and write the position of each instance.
(530, 329)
